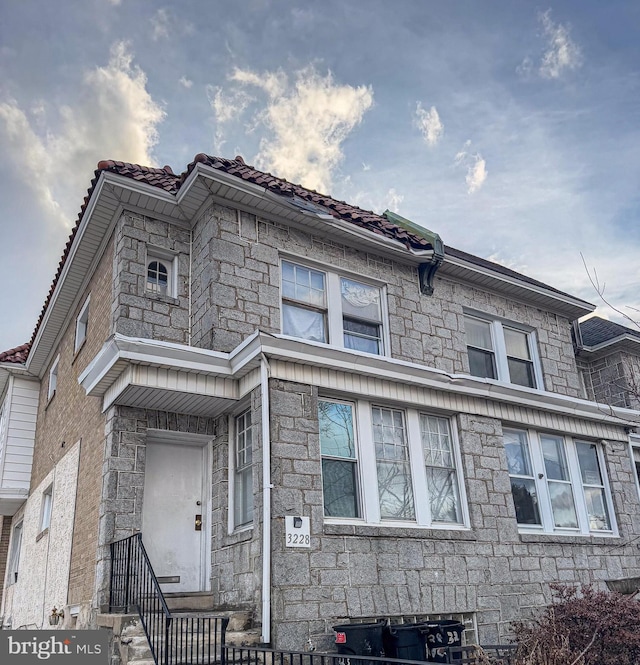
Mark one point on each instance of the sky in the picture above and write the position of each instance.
(510, 128)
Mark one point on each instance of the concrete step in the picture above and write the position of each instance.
(195, 601)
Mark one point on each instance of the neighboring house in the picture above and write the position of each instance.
(226, 359)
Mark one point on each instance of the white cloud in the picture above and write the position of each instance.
(306, 120)
(160, 25)
(561, 52)
(429, 124)
(185, 82)
(115, 3)
(114, 117)
(476, 167)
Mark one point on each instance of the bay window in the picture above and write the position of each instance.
(389, 465)
(325, 307)
(557, 483)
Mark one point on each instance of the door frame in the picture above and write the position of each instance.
(205, 442)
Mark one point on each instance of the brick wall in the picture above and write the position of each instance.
(5, 535)
(236, 289)
(70, 416)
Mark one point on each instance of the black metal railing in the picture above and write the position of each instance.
(181, 639)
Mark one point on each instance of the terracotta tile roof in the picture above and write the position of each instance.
(17, 355)
(339, 209)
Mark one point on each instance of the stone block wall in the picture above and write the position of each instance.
(236, 289)
(137, 312)
(364, 571)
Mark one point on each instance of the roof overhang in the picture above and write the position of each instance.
(207, 382)
(531, 294)
(11, 500)
(624, 342)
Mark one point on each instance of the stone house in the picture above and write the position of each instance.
(310, 411)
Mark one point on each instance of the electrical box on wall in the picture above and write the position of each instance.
(297, 531)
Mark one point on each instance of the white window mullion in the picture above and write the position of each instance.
(500, 347)
(368, 469)
(334, 322)
(418, 473)
(576, 481)
(535, 358)
(539, 478)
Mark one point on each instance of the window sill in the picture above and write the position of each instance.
(240, 535)
(388, 531)
(49, 400)
(169, 300)
(567, 539)
(42, 534)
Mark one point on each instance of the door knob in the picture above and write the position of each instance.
(198, 523)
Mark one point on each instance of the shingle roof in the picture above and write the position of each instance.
(17, 355)
(597, 330)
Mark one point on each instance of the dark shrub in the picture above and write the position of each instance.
(582, 627)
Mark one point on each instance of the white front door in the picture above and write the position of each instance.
(174, 502)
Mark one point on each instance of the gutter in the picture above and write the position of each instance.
(265, 638)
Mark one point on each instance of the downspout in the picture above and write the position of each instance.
(266, 501)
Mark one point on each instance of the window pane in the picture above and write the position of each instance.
(597, 509)
(517, 343)
(243, 496)
(482, 363)
(478, 333)
(525, 500)
(395, 491)
(436, 441)
(389, 434)
(517, 449)
(555, 461)
(339, 488)
(360, 300)
(303, 323)
(589, 466)
(361, 336)
(303, 284)
(157, 277)
(336, 429)
(521, 372)
(564, 510)
(443, 495)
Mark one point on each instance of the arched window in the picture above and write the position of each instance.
(157, 277)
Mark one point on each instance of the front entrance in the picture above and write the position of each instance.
(174, 514)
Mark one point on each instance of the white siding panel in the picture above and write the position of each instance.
(448, 402)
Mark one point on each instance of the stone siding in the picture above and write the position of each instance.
(136, 311)
(367, 571)
(236, 289)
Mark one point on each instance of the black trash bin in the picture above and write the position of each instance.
(360, 639)
(439, 636)
(407, 641)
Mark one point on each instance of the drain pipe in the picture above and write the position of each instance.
(266, 501)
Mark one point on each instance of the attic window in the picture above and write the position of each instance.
(160, 273)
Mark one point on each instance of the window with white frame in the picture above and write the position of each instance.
(53, 378)
(82, 324)
(14, 557)
(389, 465)
(635, 459)
(499, 350)
(243, 471)
(160, 272)
(558, 483)
(326, 307)
(46, 508)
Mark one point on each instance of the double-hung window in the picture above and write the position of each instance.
(389, 465)
(14, 557)
(558, 484)
(498, 350)
(243, 471)
(333, 309)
